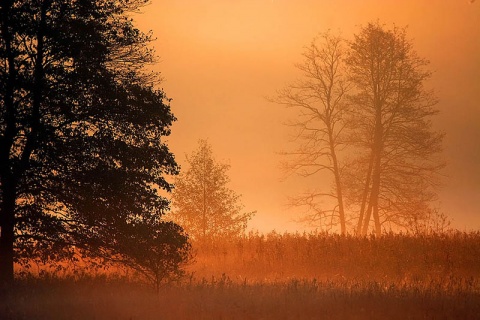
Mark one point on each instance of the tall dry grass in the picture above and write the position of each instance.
(287, 276)
(393, 257)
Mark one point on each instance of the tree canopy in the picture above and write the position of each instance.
(393, 129)
(365, 116)
(202, 201)
(82, 127)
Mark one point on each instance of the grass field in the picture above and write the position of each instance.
(280, 277)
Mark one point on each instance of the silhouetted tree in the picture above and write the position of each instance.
(81, 127)
(319, 97)
(396, 146)
(202, 202)
(155, 249)
(376, 139)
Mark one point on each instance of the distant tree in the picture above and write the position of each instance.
(319, 98)
(365, 117)
(81, 128)
(202, 202)
(393, 137)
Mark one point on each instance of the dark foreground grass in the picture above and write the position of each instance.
(100, 298)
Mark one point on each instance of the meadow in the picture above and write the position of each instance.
(278, 276)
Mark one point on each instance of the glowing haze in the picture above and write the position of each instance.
(220, 59)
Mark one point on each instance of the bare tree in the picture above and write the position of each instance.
(319, 99)
(397, 147)
(364, 116)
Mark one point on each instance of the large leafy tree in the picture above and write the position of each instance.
(203, 203)
(81, 127)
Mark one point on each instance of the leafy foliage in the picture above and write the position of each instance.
(81, 131)
(203, 203)
(156, 250)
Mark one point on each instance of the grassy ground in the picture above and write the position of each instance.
(223, 299)
(281, 277)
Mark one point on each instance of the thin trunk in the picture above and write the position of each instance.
(368, 216)
(204, 208)
(376, 218)
(376, 155)
(336, 170)
(378, 148)
(330, 123)
(366, 192)
(374, 197)
(204, 212)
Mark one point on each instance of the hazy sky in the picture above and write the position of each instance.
(222, 58)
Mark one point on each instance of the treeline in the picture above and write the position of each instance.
(392, 257)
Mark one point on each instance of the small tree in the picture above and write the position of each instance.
(156, 249)
(202, 202)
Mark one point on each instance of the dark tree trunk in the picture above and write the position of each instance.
(9, 173)
(7, 233)
(7, 178)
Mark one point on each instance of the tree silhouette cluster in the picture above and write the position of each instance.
(365, 118)
(82, 158)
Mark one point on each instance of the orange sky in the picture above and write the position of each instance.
(222, 58)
